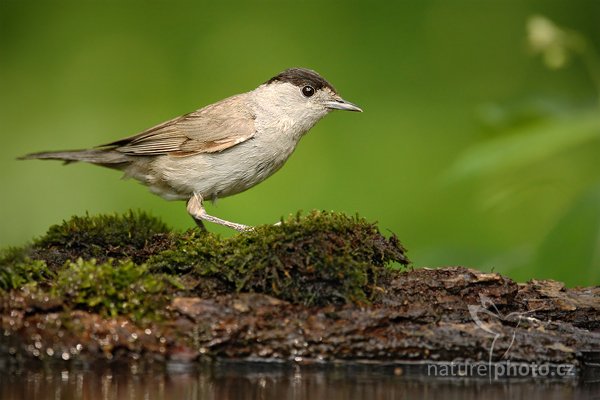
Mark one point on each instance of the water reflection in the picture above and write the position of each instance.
(223, 381)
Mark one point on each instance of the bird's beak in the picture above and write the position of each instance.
(341, 104)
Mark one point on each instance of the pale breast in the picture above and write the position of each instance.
(216, 175)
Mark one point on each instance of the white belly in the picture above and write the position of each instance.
(214, 175)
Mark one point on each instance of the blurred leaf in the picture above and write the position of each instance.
(526, 111)
(573, 245)
(527, 145)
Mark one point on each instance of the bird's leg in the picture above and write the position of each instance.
(197, 211)
(200, 224)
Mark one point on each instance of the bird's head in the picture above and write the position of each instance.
(303, 95)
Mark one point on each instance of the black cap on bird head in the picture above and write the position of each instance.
(302, 77)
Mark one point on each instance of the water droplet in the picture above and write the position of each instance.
(65, 356)
(50, 351)
(262, 382)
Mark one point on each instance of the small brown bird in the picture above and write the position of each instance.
(223, 148)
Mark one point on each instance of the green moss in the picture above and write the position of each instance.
(188, 249)
(321, 258)
(317, 259)
(17, 269)
(111, 290)
(134, 235)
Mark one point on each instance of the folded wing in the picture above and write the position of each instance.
(213, 128)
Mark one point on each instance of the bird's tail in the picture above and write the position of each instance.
(104, 157)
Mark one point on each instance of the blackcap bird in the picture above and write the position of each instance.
(223, 148)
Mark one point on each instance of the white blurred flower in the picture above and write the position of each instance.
(546, 38)
(542, 33)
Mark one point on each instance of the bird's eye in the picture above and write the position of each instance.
(308, 91)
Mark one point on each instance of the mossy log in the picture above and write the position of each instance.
(318, 288)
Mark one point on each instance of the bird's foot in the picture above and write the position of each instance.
(197, 211)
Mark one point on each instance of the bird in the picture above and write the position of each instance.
(223, 148)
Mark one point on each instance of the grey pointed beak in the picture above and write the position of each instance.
(341, 104)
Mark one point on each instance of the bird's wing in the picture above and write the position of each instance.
(213, 128)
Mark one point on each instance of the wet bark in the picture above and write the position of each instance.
(431, 315)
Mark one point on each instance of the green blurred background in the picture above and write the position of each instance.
(472, 148)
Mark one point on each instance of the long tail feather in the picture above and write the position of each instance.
(94, 156)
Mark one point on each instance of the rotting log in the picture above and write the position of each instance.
(398, 317)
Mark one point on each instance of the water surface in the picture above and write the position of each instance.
(242, 380)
